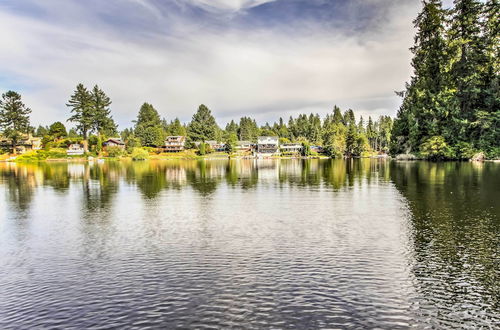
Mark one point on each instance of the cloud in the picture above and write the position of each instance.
(177, 58)
(227, 5)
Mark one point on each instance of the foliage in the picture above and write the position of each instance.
(14, 117)
(148, 127)
(81, 108)
(202, 149)
(436, 148)
(114, 151)
(102, 121)
(91, 112)
(306, 149)
(139, 154)
(202, 126)
(454, 91)
(39, 155)
(57, 130)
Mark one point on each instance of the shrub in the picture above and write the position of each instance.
(493, 153)
(463, 150)
(114, 151)
(139, 154)
(436, 148)
(202, 149)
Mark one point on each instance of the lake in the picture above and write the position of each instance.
(250, 244)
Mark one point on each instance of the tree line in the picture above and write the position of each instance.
(339, 133)
(451, 105)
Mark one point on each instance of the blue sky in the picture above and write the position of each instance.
(263, 58)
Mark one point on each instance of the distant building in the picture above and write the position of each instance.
(75, 149)
(267, 145)
(114, 142)
(291, 148)
(175, 143)
(318, 149)
(26, 143)
(216, 146)
(244, 146)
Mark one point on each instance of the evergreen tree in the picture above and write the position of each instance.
(202, 126)
(14, 117)
(148, 128)
(426, 101)
(57, 130)
(41, 131)
(102, 123)
(81, 108)
(249, 130)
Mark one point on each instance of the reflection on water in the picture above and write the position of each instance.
(250, 243)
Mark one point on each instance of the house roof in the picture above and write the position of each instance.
(115, 141)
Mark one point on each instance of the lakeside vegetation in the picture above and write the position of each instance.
(450, 108)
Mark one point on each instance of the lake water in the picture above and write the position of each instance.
(250, 244)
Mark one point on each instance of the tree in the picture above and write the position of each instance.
(427, 107)
(81, 108)
(41, 131)
(102, 122)
(249, 130)
(202, 126)
(148, 126)
(57, 130)
(14, 117)
(176, 128)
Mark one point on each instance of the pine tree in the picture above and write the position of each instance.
(426, 103)
(148, 127)
(14, 117)
(202, 126)
(81, 108)
(57, 130)
(102, 123)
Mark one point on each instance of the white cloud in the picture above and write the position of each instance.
(262, 73)
(227, 5)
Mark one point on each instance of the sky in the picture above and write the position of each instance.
(260, 58)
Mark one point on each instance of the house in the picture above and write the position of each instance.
(291, 148)
(244, 146)
(26, 143)
(175, 143)
(216, 146)
(114, 142)
(318, 149)
(267, 145)
(75, 149)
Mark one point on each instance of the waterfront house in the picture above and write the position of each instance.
(175, 143)
(243, 146)
(216, 146)
(267, 145)
(318, 149)
(26, 143)
(114, 142)
(291, 148)
(75, 149)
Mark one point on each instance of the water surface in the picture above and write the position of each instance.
(250, 244)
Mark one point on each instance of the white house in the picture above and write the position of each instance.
(75, 149)
(267, 145)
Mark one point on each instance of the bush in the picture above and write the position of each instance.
(463, 150)
(114, 151)
(202, 149)
(436, 148)
(493, 153)
(139, 154)
(34, 156)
